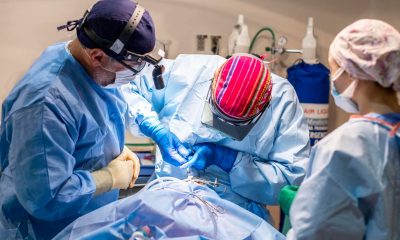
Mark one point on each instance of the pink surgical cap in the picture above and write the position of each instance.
(242, 87)
(369, 49)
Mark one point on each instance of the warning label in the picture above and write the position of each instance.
(317, 119)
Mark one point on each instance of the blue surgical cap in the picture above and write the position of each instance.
(107, 19)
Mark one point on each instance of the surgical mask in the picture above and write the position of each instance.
(122, 78)
(343, 100)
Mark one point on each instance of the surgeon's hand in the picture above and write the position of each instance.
(172, 149)
(207, 154)
(120, 173)
(129, 156)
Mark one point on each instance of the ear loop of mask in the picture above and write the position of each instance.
(349, 91)
(333, 78)
(343, 100)
(337, 74)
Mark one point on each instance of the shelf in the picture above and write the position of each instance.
(141, 147)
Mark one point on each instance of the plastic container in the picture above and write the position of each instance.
(309, 44)
(243, 41)
(239, 40)
(233, 38)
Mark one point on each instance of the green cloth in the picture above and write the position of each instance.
(286, 197)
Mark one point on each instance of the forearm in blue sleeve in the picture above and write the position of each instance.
(47, 185)
(257, 179)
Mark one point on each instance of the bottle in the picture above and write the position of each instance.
(233, 37)
(243, 40)
(309, 44)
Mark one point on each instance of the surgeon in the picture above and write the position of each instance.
(352, 185)
(243, 126)
(62, 150)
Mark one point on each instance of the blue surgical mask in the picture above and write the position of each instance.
(343, 100)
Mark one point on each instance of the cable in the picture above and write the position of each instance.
(258, 33)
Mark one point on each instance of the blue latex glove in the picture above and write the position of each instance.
(207, 154)
(172, 149)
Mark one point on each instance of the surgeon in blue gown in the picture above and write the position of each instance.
(62, 150)
(352, 188)
(273, 154)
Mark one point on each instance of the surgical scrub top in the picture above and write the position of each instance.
(57, 126)
(352, 188)
(272, 155)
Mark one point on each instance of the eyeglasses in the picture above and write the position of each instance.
(153, 57)
(136, 62)
(133, 66)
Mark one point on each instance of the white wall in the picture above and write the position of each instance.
(28, 26)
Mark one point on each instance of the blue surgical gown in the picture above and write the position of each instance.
(57, 126)
(272, 155)
(352, 189)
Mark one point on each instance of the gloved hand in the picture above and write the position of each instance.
(120, 173)
(207, 154)
(128, 156)
(172, 149)
(286, 197)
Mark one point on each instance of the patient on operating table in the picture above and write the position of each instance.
(171, 208)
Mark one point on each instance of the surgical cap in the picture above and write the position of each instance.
(369, 49)
(108, 18)
(242, 87)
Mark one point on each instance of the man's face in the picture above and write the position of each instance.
(105, 68)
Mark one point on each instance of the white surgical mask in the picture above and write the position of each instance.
(343, 100)
(122, 78)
